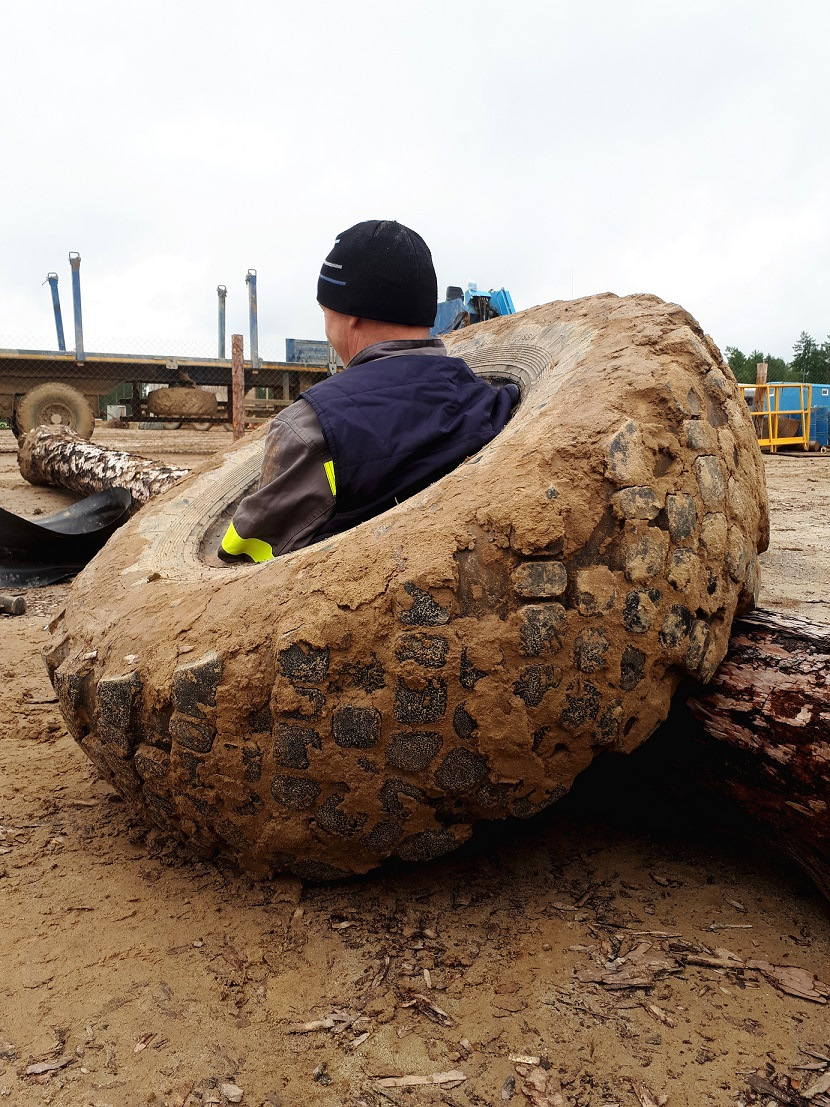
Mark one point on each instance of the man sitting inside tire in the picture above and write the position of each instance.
(401, 415)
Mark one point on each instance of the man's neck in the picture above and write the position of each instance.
(397, 347)
(368, 332)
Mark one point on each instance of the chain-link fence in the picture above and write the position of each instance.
(176, 382)
(157, 382)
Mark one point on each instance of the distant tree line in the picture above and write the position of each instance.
(810, 363)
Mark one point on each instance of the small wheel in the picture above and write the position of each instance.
(174, 426)
(201, 426)
(54, 404)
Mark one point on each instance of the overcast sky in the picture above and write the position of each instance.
(557, 149)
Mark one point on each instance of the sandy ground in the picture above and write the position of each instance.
(548, 962)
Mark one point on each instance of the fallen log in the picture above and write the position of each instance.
(59, 457)
(766, 731)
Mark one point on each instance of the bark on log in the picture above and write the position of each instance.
(766, 716)
(57, 456)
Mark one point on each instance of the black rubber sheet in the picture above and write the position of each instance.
(33, 554)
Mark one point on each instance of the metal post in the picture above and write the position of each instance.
(237, 386)
(52, 279)
(223, 292)
(75, 262)
(250, 280)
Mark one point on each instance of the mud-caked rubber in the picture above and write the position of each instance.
(54, 403)
(461, 657)
(182, 401)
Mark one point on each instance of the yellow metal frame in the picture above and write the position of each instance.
(765, 418)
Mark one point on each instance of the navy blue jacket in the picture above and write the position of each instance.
(396, 424)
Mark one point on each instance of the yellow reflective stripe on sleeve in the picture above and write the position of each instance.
(255, 548)
(329, 467)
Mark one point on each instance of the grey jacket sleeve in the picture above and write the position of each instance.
(295, 496)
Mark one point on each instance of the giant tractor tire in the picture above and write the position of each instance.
(54, 404)
(462, 656)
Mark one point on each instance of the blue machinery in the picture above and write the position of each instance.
(462, 308)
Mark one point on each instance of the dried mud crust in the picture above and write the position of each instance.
(181, 401)
(54, 403)
(463, 656)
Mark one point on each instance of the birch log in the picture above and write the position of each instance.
(58, 456)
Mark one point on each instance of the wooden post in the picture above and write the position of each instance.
(760, 380)
(237, 386)
(758, 402)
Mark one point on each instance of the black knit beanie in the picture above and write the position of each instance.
(380, 270)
